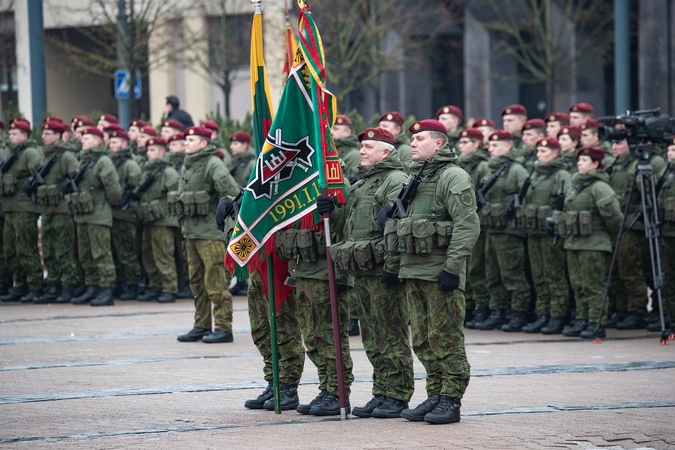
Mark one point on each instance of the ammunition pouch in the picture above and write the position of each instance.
(307, 245)
(80, 203)
(572, 223)
(175, 205)
(668, 209)
(559, 224)
(391, 237)
(585, 223)
(486, 215)
(9, 182)
(41, 196)
(496, 215)
(202, 203)
(422, 236)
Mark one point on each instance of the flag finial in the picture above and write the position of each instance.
(257, 5)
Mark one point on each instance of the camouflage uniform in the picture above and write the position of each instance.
(438, 235)
(667, 215)
(477, 293)
(58, 227)
(591, 217)
(289, 336)
(505, 245)
(203, 181)
(158, 227)
(348, 151)
(177, 159)
(93, 215)
(382, 308)
(453, 138)
(241, 167)
(5, 272)
(219, 145)
(547, 261)
(125, 224)
(21, 231)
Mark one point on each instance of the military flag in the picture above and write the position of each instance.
(290, 49)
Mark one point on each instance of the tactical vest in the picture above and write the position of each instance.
(196, 197)
(13, 175)
(667, 199)
(48, 194)
(491, 214)
(154, 206)
(301, 244)
(581, 216)
(538, 207)
(90, 190)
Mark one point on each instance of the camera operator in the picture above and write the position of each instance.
(666, 201)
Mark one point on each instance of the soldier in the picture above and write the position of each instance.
(549, 184)
(474, 160)
(666, 202)
(21, 215)
(176, 157)
(592, 218)
(169, 128)
(125, 224)
(203, 180)
(134, 131)
(58, 227)
(5, 272)
(555, 122)
(451, 117)
(159, 178)
(382, 310)
(90, 203)
(243, 157)
(589, 136)
(580, 113)
(393, 123)
(217, 142)
(435, 241)
(106, 120)
(569, 138)
(628, 279)
(513, 119)
(176, 146)
(78, 125)
(532, 132)
(144, 135)
(347, 146)
(485, 126)
(505, 246)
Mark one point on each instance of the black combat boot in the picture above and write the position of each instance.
(421, 410)
(128, 292)
(79, 290)
(367, 410)
(89, 294)
(589, 332)
(479, 315)
(31, 296)
(117, 289)
(194, 335)
(328, 406)
(66, 295)
(447, 411)
(259, 401)
(575, 331)
(241, 288)
(353, 327)
(288, 397)
(537, 326)
(218, 337)
(104, 298)
(496, 320)
(184, 290)
(4, 289)
(616, 318)
(305, 409)
(149, 295)
(166, 297)
(656, 326)
(653, 316)
(14, 295)
(631, 322)
(390, 409)
(516, 323)
(555, 325)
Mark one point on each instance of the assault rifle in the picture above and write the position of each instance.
(487, 184)
(134, 194)
(70, 186)
(9, 162)
(517, 200)
(407, 194)
(31, 185)
(559, 206)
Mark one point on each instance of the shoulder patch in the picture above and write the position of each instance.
(466, 198)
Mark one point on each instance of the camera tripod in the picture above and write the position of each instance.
(648, 213)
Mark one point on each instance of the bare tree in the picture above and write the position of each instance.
(7, 43)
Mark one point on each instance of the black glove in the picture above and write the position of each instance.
(221, 212)
(390, 279)
(382, 216)
(341, 288)
(448, 281)
(25, 187)
(325, 205)
(549, 227)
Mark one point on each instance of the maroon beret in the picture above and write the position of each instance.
(574, 132)
(240, 136)
(534, 123)
(558, 117)
(220, 154)
(472, 133)
(176, 137)
(109, 118)
(116, 131)
(515, 109)
(377, 134)
(393, 116)
(549, 142)
(156, 141)
(82, 121)
(52, 119)
(112, 127)
(93, 130)
(343, 120)
(427, 125)
(20, 124)
(590, 123)
(138, 123)
(483, 122)
(582, 108)
(54, 125)
(199, 131)
(595, 153)
(150, 131)
(501, 135)
(211, 125)
(449, 109)
(172, 123)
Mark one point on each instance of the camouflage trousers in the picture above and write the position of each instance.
(437, 319)
(386, 340)
(209, 281)
(353, 302)
(179, 255)
(21, 249)
(125, 251)
(588, 270)
(314, 311)
(668, 266)
(628, 280)
(548, 274)
(158, 259)
(505, 272)
(289, 337)
(58, 248)
(477, 293)
(93, 242)
(5, 272)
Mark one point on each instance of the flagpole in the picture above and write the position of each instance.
(257, 5)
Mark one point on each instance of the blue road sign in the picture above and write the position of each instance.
(122, 84)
